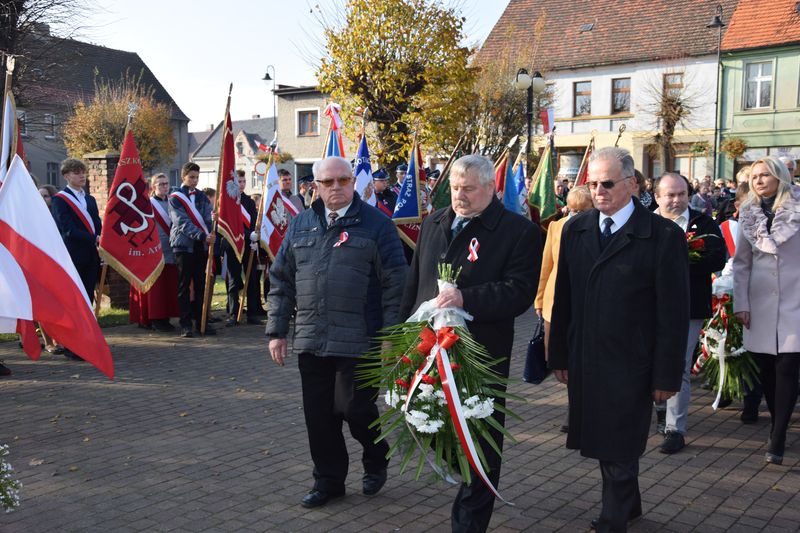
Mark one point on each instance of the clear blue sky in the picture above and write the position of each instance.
(196, 48)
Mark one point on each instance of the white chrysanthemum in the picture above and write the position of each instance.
(417, 418)
(431, 426)
(477, 408)
(425, 391)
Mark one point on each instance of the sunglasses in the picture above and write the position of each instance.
(607, 185)
(342, 181)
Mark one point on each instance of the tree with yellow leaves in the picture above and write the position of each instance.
(401, 60)
(100, 124)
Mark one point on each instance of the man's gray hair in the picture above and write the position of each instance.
(317, 167)
(789, 162)
(616, 154)
(482, 165)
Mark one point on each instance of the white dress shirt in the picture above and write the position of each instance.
(80, 195)
(340, 212)
(619, 218)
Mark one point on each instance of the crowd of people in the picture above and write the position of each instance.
(621, 301)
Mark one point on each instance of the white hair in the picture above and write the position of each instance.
(316, 169)
(789, 162)
(616, 154)
(482, 165)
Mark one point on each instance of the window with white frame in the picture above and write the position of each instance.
(758, 85)
(307, 122)
(49, 126)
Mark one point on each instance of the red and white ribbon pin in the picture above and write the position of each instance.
(343, 236)
(474, 246)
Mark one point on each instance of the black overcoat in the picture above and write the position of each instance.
(619, 325)
(497, 287)
(711, 260)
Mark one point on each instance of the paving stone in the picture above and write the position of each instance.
(208, 435)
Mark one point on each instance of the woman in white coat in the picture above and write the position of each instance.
(766, 273)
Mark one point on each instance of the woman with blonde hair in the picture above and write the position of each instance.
(766, 274)
(153, 309)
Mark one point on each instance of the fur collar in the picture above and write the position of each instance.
(753, 223)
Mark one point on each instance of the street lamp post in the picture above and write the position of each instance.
(717, 23)
(534, 85)
(267, 78)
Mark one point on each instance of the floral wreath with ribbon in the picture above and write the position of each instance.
(441, 391)
(724, 361)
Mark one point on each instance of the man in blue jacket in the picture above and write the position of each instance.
(190, 235)
(341, 266)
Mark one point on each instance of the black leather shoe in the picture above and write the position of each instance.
(673, 443)
(187, 332)
(564, 429)
(372, 483)
(724, 402)
(318, 498)
(254, 320)
(209, 331)
(4, 370)
(661, 421)
(749, 415)
(231, 322)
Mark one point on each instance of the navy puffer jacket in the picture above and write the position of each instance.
(344, 293)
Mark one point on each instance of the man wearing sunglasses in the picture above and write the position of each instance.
(341, 266)
(619, 326)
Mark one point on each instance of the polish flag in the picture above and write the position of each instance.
(44, 285)
(277, 214)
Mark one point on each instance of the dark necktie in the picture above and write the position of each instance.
(605, 236)
(459, 226)
(332, 216)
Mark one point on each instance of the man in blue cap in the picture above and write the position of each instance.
(385, 197)
(400, 174)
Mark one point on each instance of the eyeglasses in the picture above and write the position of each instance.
(607, 185)
(342, 181)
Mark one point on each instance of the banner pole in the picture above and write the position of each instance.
(210, 262)
(257, 231)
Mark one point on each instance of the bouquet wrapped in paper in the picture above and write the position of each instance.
(723, 359)
(441, 391)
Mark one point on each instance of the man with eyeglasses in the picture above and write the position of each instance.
(341, 266)
(619, 327)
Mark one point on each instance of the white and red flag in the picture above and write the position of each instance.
(277, 212)
(10, 137)
(229, 219)
(129, 241)
(48, 280)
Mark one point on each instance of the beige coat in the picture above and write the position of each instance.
(766, 277)
(547, 275)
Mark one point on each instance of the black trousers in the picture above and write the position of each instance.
(330, 396)
(191, 270)
(472, 509)
(88, 274)
(621, 498)
(779, 374)
(236, 283)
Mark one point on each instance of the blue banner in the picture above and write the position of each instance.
(408, 209)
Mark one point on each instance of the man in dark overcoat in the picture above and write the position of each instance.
(499, 254)
(619, 328)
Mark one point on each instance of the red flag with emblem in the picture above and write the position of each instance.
(229, 207)
(129, 242)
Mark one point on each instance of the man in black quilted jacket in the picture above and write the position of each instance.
(341, 266)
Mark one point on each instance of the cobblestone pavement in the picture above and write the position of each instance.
(208, 435)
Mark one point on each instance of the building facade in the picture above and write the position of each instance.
(54, 74)
(761, 82)
(617, 63)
